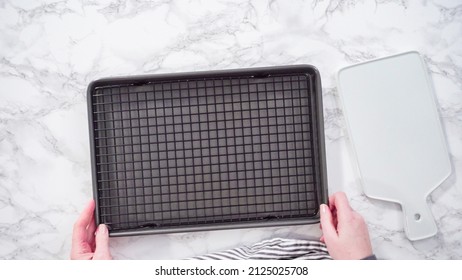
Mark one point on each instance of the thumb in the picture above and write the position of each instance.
(327, 224)
(102, 244)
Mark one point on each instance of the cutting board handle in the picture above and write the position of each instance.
(419, 220)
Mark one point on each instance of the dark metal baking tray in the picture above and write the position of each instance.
(207, 150)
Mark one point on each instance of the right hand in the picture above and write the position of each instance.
(344, 230)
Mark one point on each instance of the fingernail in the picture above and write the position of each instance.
(323, 208)
(102, 229)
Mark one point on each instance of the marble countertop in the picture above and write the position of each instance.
(51, 50)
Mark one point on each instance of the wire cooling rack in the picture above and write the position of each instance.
(219, 151)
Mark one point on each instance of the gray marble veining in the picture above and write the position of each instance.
(50, 50)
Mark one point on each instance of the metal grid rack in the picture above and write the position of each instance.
(178, 154)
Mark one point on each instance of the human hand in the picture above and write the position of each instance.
(86, 243)
(344, 230)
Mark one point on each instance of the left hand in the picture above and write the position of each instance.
(88, 242)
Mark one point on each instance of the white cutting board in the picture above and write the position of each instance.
(397, 138)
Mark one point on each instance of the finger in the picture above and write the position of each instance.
(80, 227)
(102, 244)
(91, 233)
(342, 206)
(322, 239)
(333, 210)
(85, 217)
(331, 201)
(334, 217)
(328, 228)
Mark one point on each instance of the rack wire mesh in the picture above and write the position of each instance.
(205, 151)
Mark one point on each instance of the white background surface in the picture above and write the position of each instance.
(51, 50)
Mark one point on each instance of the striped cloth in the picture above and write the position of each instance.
(273, 249)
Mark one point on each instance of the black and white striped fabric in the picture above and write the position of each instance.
(274, 249)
